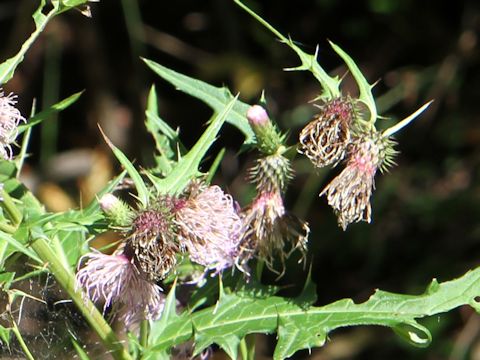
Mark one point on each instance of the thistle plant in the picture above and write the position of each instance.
(176, 223)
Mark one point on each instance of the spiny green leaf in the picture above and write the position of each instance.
(299, 328)
(41, 20)
(216, 98)
(187, 166)
(309, 62)
(364, 87)
(161, 327)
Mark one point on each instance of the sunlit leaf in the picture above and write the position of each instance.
(299, 327)
(216, 98)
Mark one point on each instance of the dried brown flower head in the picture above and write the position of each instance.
(269, 230)
(349, 193)
(325, 139)
(152, 240)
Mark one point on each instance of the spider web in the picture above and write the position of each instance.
(48, 322)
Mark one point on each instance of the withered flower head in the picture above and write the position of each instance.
(151, 241)
(10, 117)
(115, 280)
(324, 140)
(209, 227)
(349, 193)
(270, 230)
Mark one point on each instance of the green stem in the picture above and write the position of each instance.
(144, 333)
(12, 210)
(95, 319)
(19, 337)
(7, 228)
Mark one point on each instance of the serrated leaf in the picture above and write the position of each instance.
(302, 328)
(7, 68)
(216, 98)
(161, 327)
(187, 166)
(329, 84)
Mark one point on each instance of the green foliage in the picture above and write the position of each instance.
(216, 98)
(221, 314)
(300, 326)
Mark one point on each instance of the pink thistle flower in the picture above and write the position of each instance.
(115, 280)
(268, 230)
(349, 193)
(10, 117)
(209, 227)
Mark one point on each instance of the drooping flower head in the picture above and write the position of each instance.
(325, 139)
(116, 281)
(10, 118)
(270, 232)
(209, 227)
(349, 193)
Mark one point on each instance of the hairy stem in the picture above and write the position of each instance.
(95, 319)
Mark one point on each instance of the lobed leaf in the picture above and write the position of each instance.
(329, 84)
(300, 327)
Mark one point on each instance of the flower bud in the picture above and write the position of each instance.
(269, 140)
(271, 173)
(117, 212)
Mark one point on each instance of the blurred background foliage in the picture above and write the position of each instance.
(426, 210)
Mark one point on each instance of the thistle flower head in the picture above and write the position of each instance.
(115, 280)
(349, 193)
(209, 227)
(271, 173)
(325, 139)
(151, 239)
(10, 117)
(268, 230)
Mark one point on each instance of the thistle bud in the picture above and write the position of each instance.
(271, 173)
(117, 212)
(324, 140)
(269, 139)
